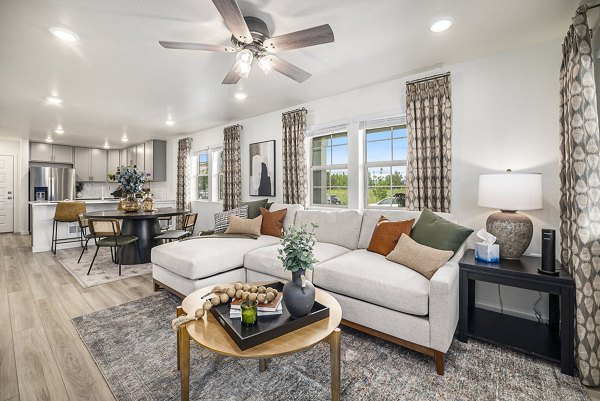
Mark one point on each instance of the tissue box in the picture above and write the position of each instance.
(487, 252)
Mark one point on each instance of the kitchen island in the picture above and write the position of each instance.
(42, 214)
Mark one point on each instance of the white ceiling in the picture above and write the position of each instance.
(117, 78)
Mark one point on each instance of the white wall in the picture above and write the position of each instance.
(505, 115)
(19, 149)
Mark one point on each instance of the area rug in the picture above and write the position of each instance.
(135, 350)
(104, 269)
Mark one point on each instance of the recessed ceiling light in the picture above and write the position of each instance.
(54, 100)
(106, 145)
(124, 139)
(59, 130)
(240, 95)
(64, 34)
(440, 25)
(170, 122)
(49, 139)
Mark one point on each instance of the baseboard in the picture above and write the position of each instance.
(510, 312)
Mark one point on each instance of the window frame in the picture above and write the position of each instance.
(196, 174)
(328, 167)
(215, 174)
(390, 124)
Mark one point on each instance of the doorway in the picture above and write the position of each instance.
(7, 191)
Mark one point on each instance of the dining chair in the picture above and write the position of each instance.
(109, 232)
(165, 223)
(84, 228)
(66, 212)
(189, 224)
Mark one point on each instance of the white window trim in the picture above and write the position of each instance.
(195, 175)
(213, 171)
(319, 131)
(382, 122)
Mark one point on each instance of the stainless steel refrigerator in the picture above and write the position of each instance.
(51, 183)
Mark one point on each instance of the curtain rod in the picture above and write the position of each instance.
(293, 111)
(414, 81)
(582, 9)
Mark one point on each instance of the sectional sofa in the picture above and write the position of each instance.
(379, 297)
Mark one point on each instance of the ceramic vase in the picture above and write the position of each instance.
(298, 300)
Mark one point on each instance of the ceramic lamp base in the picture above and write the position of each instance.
(513, 232)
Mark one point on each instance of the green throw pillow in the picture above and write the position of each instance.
(436, 232)
(254, 207)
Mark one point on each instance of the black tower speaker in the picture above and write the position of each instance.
(548, 252)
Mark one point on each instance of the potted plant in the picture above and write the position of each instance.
(131, 180)
(297, 257)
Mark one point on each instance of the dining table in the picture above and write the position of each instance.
(144, 225)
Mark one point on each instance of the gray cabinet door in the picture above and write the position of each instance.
(62, 154)
(82, 164)
(40, 152)
(98, 165)
(114, 156)
(123, 159)
(140, 156)
(148, 159)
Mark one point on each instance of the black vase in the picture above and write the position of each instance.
(298, 300)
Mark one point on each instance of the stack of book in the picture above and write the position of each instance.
(272, 308)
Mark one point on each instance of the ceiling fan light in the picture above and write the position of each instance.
(265, 65)
(243, 69)
(245, 56)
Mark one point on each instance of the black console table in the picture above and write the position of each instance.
(553, 341)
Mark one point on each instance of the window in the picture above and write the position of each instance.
(385, 162)
(218, 176)
(329, 169)
(200, 175)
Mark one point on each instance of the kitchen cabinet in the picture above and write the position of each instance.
(114, 160)
(132, 155)
(140, 156)
(44, 152)
(90, 164)
(155, 160)
(124, 161)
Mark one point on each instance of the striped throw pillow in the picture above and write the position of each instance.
(222, 218)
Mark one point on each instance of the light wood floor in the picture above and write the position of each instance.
(41, 355)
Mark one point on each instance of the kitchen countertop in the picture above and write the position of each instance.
(90, 201)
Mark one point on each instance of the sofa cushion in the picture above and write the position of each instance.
(254, 207)
(272, 223)
(264, 260)
(203, 257)
(290, 216)
(370, 277)
(222, 218)
(335, 227)
(436, 232)
(387, 233)
(420, 258)
(371, 217)
(251, 227)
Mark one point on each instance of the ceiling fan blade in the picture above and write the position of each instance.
(232, 76)
(296, 40)
(234, 20)
(287, 69)
(196, 46)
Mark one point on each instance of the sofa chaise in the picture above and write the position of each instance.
(377, 296)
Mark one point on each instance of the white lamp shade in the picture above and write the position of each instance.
(510, 191)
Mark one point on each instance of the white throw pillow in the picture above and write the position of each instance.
(222, 218)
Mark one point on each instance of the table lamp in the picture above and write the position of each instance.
(510, 192)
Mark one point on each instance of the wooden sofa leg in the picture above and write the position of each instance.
(439, 362)
(156, 286)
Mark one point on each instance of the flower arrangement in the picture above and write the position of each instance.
(297, 251)
(130, 178)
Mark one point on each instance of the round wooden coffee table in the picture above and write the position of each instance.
(209, 334)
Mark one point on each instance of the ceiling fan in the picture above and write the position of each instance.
(252, 42)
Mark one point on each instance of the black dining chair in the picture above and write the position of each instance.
(109, 233)
(189, 224)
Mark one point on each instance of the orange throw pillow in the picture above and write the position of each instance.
(387, 233)
(272, 223)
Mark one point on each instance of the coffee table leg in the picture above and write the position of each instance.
(335, 340)
(184, 362)
(179, 313)
(262, 365)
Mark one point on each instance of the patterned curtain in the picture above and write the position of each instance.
(294, 157)
(183, 177)
(429, 132)
(580, 193)
(232, 167)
